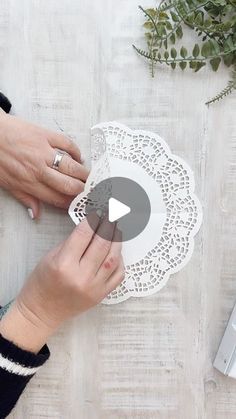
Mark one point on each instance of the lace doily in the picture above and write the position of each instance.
(167, 243)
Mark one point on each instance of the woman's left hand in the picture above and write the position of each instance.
(27, 153)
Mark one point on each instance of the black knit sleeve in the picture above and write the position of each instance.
(17, 367)
(5, 103)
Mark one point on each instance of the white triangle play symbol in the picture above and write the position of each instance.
(117, 210)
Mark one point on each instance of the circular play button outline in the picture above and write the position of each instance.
(120, 200)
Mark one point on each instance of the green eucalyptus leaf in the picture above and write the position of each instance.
(207, 23)
(228, 59)
(148, 36)
(152, 12)
(163, 16)
(206, 50)
(199, 65)
(179, 32)
(192, 64)
(159, 29)
(196, 51)
(174, 16)
(220, 2)
(183, 65)
(227, 26)
(215, 48)
(229, 44)
(173, 65)
(166, 55)
(168, 26)
(172, 38)
(183, 52)
(148, 25)
(183, 7)
(199, 19)
(215, 62)
(173, 53)
(190, 19)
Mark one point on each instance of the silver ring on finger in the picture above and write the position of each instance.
(57, 160)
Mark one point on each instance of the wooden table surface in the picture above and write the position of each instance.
(70, 63)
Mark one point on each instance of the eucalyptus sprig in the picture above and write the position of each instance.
(213, 21)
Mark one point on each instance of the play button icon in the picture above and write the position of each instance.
(117, 210)
(123, 201)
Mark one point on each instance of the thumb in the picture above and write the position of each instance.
(32, 204)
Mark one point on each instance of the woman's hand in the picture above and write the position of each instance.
(72, 278)
(27, 153)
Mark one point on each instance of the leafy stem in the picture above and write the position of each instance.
(226, 91)
(174, 4)
(180, 59)
(213, 21)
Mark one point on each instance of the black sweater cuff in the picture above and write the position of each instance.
(5, 103)
(17, 367)
(10, 351)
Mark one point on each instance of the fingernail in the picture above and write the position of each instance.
(99, 213)
(31, 214)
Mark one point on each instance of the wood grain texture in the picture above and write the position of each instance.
(70, 63)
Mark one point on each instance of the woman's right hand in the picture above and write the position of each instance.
(69, 280)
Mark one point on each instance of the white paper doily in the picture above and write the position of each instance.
(166, 244)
